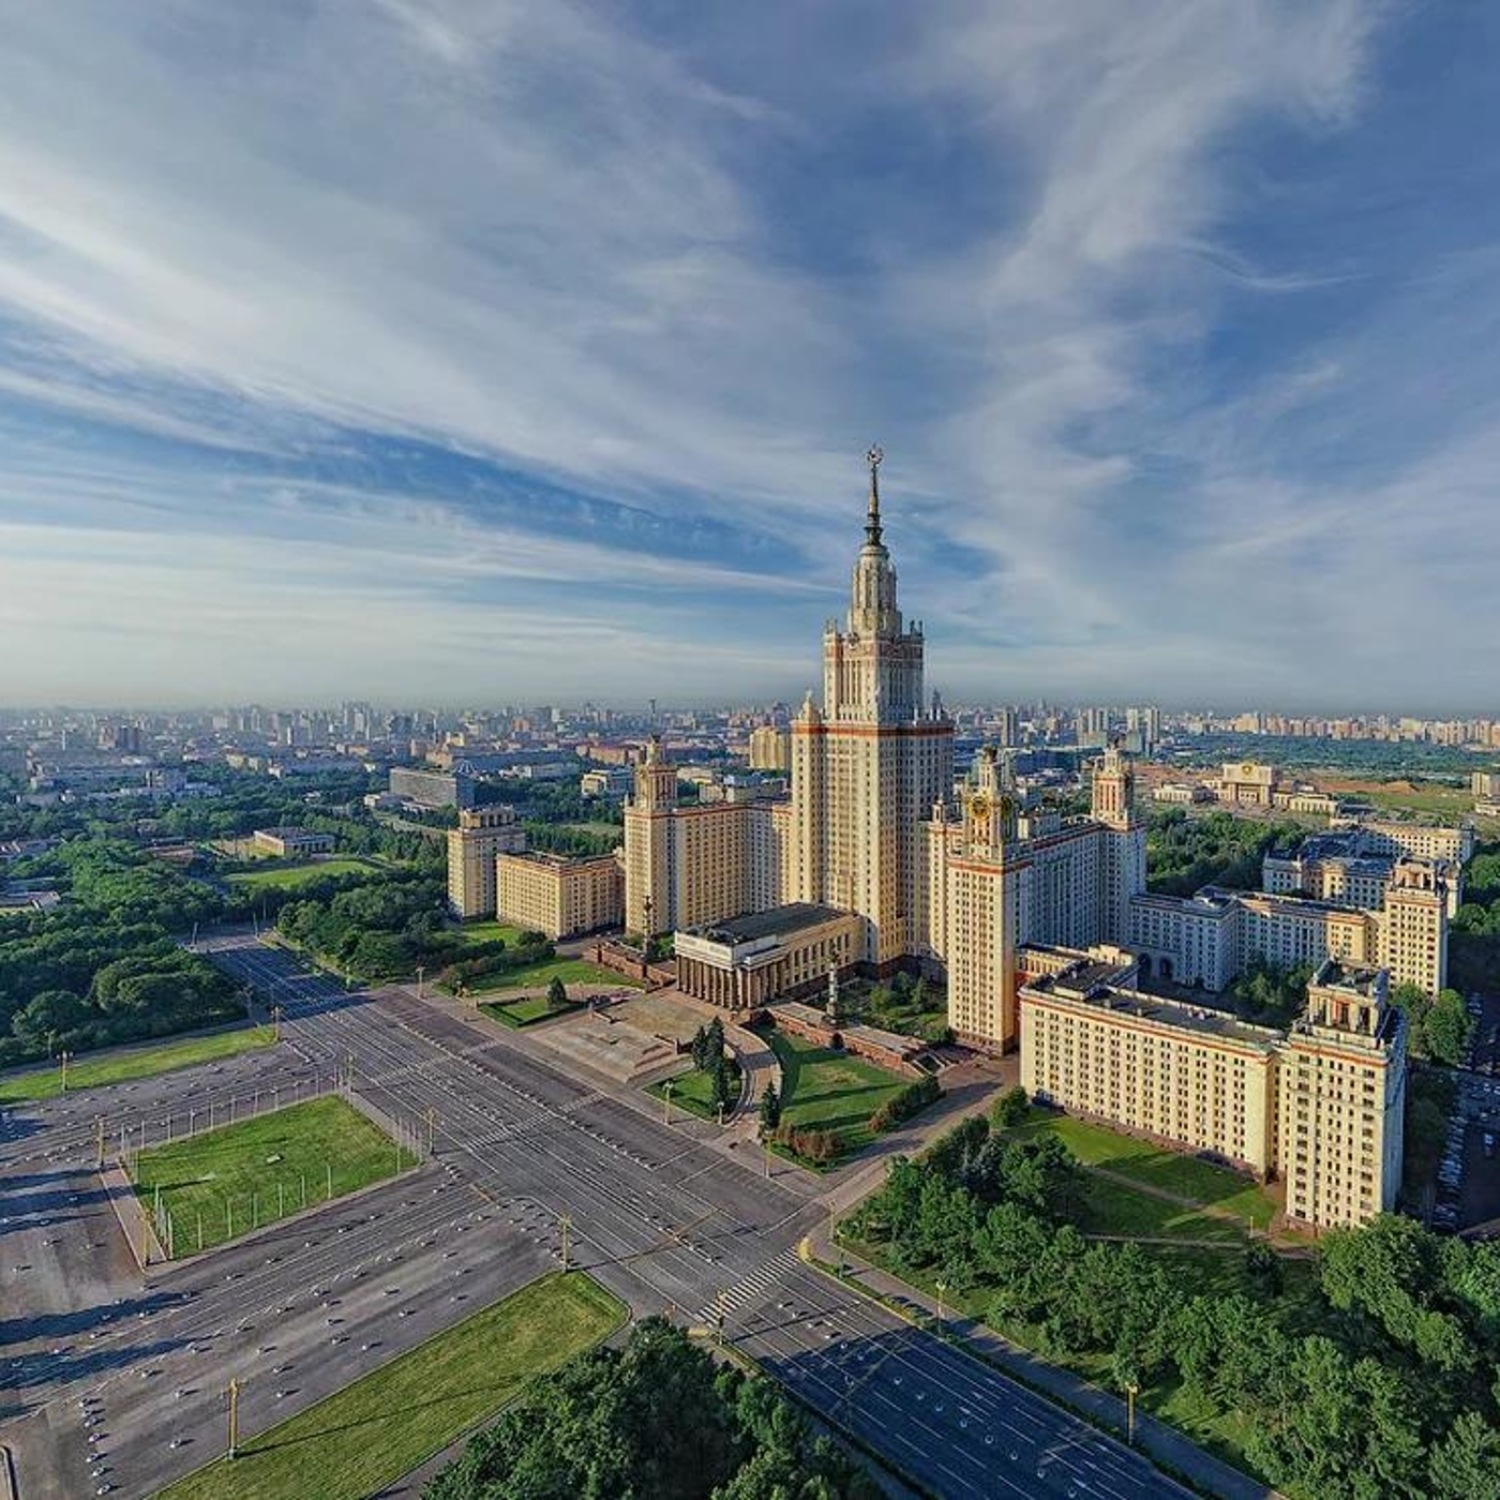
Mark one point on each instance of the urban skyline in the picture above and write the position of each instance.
(1178, 366)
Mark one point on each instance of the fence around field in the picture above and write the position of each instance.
(174, 1236)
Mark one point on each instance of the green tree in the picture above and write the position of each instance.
(1449, 1029)
(1010, 1109)
(557, 994)
(770, 1111)
(723, 1095)
(1465, 1465)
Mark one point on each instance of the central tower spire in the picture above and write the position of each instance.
(872, 519)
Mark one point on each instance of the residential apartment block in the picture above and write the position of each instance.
(1319, 1105)
(483, 833)
(558, 895)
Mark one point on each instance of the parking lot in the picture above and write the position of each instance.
(1468, 1177)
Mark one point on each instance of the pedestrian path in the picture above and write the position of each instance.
(755, 1287)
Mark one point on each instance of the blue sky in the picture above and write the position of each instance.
(465, 350)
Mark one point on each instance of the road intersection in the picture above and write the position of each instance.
(104, 1383)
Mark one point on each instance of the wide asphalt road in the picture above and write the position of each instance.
(131, 1393)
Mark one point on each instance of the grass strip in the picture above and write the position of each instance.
(137, 1062)
(373, 1432)
(519, 1013)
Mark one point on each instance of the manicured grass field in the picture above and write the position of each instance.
(1172, 1171)
(288, 877)
(474, 933)
(138, 1062)
(241, 1176)
(569, 970)
(359, 1441)
(1112, 1208)
(694, 1091)
(518, 1013)
(828, 1090)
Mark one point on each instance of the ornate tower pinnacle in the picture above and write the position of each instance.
(872, 520)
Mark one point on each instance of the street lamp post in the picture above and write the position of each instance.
(942, 1286)
(666, 1095)
(1131, 1390)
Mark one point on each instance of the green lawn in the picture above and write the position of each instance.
(139, 1062)
(241, 1176)
(569, 970)
(288, 877)
(827, 1090)
(694, 1091)
(1172, 1171)
(518, 1013)
(474, 933)
(1113, 1208)
(357, 1442)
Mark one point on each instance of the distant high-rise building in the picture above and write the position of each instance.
(770, 748)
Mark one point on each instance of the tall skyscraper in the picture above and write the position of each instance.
(868, 765)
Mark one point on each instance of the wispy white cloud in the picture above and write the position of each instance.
(566, 243)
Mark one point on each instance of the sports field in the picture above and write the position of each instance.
(287, 877)
(218, 1185)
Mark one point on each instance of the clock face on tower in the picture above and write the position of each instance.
(980, 806)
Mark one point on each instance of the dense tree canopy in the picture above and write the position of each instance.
(1379, 1382)
(106, 967)
(656, 1420)
(1184, 853)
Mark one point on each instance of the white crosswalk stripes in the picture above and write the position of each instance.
(751, 1288)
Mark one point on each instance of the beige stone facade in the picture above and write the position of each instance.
(689, 866)
(868, 765)
(999, 877)
(558, 896)
(748, 962)
(1172, 1071)
(770, 749)
(1319, 1106)
(1208, 938)
(1247, 783)
(481, 835)
(1341, 1094)
(1424, 840)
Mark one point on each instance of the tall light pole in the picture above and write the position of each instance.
(942, 1286)
(565, 1223)
(234, 1418)
(1131, 1390)
(65, 1056)
(666, 1095)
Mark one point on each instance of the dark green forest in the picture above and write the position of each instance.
(656, 1420)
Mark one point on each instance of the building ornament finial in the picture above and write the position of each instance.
(874, 458)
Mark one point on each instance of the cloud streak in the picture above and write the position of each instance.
(560, 319)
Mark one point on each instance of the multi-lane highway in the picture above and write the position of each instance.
(110, 1384)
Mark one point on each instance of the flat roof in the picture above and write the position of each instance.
(780, 921)
(1179, 1015)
